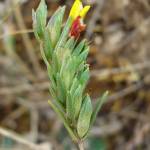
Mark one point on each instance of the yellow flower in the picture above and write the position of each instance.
(78, 10)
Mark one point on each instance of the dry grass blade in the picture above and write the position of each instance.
(19, 139)
(27, 43)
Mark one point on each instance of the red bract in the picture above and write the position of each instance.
(77, 27)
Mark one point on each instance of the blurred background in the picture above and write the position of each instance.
(119, 58)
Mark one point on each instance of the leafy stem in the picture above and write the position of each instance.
(59, 113)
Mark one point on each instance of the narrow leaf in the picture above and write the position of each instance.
(69, 106)
(70, 44)
(55, 24)
(55, 63)
(74, 85)
(60, 89)
(84, 77)
(66, 124)
(79, 48)
(35, 28)
(84, 54)
(77, 101)
(84, 117)
(39, 19)
(47, 45)
(64, 34)
(98, 106)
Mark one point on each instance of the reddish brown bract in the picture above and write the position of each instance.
(77, 27)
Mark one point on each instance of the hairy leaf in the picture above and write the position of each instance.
(79, 48)
(39, 19)
(84, 117)
(55, 24)
(98, 106)
(47, 46)
(69, 106)
(77, 100)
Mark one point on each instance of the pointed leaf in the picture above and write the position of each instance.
(84, 54)
(60, 89)
(70, 44)
(77, 100)
(55, 63)
(79, 48)
(84, 77)
(39, 19)
(35, 28)
(64, 34)
(47, 46)
(65, 122)
(69, 106)
(55, 24)
(98, 106)
(74, 85)
(84, 117)
(51, 77)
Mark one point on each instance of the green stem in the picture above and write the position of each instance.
(73, 136)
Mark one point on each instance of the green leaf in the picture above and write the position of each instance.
(70, 44)
(84, 117)
(84, 54)
(55, 63)
(77, 101)
(72, 67)
(55, 24)
(52, 92)
(61, 92)
(39, 20)
(66, 71)
(79, 48)
(54, 96)
(69, 106)
(63, 67)
(35, 28)
(52, 77)
(84, 77)
(65, 122)
(64, 34)
(74, 85)
(47, 46)
(98, 106)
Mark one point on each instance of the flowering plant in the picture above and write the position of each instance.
(65, 58)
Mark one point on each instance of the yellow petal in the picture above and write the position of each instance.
(76, 9)
(84, 11)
